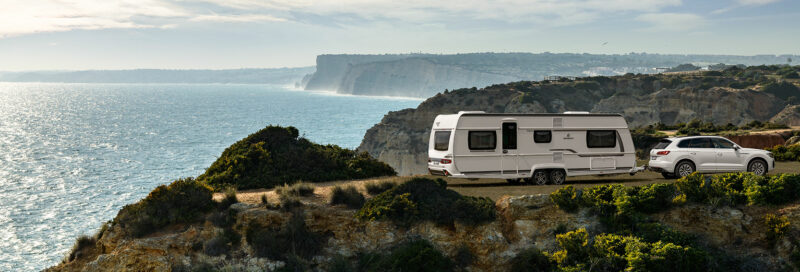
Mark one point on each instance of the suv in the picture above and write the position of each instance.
(679, 157)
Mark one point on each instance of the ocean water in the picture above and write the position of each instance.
(71, 155)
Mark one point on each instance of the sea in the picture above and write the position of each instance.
(71, 155)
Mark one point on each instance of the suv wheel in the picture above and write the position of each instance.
(684, 168)
(757, 167)
(558, 176)
(540, 177)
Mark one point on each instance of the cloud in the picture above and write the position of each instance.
(673, 22)
(744, 3)
(18, 17)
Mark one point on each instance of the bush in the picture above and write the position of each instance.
(611, 252)
(289, 203)
(566, 198)
(776, 226)
(348, 196)
(219, 245)
(297, 189)
(185, 200)
(421, 199)
(531, 259)
(693, 186)
(786, 153)
(415, 255)
(82, 244)
(293, 238)
(654, 232)
(229, 198)
(277, 155)
(775, 190)
(781, 89)
(374, 188)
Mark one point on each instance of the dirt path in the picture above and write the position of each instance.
(492, 188)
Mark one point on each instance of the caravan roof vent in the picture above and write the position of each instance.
(464, 112)
(576, 112)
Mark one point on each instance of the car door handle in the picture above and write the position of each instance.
(692, 153)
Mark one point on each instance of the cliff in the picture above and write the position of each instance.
(733, 96)
(329, 236)
(423, 75)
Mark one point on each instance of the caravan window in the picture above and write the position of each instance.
(441, 140)
(482, 140)
(601, 138)
(542, 136)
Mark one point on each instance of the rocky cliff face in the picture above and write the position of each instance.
(789, 116)
(401, 138)
(423, 75)
(523, 222)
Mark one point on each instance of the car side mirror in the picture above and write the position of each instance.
(737, 147)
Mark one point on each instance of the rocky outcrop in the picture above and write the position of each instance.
(522, 222)
(423, 75)
(790, 115)
(401, 138)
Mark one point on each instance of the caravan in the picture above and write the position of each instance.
(537, 148)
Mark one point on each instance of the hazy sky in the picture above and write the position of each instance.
(123, 34)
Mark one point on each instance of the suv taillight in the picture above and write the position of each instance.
(445, 161)
(662, 153)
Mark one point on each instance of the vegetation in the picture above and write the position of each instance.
(786, 153)
(278, 155)
(415, 255)
(776, 226)
(82, 244)
(348, 196)
(421, 199)
(183, 201)
(291, 239)
(374, 188)
(297, 189)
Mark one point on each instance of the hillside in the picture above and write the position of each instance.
(659, 227)
(249, 76)
(423, 75)
(736, 96)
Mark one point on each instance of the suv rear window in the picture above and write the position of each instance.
(441, 140)
(662, 144)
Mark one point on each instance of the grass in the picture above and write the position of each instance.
(347, 195)
(297, 189)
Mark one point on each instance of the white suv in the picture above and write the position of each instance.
(679, 157)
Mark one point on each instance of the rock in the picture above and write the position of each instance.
(793, 140)
(790, 116)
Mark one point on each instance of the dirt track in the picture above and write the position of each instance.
(492, 188)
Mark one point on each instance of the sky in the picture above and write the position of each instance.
(230, 34)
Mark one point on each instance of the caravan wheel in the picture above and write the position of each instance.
(558, 176)
(540, 177)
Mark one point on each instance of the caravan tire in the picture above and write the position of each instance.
(540, 177)
(558, 176)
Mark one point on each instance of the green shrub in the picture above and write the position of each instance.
(601, 198)
(223, 219)
(654, 232)
(421, 199)
(289, 203)
(652, 198)
(781, 89)
(776, 226)
(415, 255)
(374, 188)
(533, 260)
(291, 239)
(297, 189)
(786, 153)
(277, 155)
(693, 186)
(219, 245)
(612, 252)
(185, 200)
(82, 244)
(774, 190)
(348, 196)
(729, 188)
(566, 198)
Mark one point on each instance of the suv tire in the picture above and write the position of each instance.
(758, 167)
(684, 168)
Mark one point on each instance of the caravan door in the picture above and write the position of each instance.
(510, 156)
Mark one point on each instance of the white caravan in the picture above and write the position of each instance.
(538, 148)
